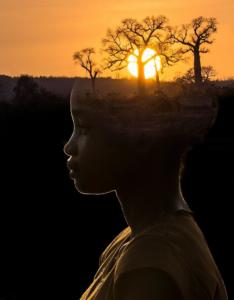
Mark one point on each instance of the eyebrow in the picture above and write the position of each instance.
(79, 112)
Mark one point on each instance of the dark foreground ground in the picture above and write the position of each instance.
(51, 236)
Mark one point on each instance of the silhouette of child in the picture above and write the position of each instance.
(138, 154)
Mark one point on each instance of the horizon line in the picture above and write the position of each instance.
(108, 77)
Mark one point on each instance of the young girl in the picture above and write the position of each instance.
(137, 150)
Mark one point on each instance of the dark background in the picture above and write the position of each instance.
(52, 236)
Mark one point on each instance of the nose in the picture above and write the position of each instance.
(69, 148)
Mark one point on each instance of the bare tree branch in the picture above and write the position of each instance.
(208, 73)
(132, 35)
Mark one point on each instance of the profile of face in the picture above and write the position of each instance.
(102, 158)
(99, 159)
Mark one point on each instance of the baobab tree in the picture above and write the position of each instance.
(195, 37)
(133, 38)
(85, 58)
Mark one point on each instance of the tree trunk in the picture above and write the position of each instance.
(141, 78)
(93, 86)
(157, 80)
(197, 67)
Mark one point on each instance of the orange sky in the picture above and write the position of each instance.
(40, 37)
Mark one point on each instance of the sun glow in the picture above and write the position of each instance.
(150, 68)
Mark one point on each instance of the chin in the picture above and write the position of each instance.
(90, 189)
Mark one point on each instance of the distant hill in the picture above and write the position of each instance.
(62, 86)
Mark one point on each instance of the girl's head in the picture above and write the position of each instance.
(115, 142)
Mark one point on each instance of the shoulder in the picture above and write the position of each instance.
(175, 255)
(147, 284)
(155, 257)
(150, 252)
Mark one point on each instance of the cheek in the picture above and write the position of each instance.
(102, 158)
(95, 158)
(97, 169)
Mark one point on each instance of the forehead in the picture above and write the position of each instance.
(74, 98)
(84, 112)
(76, 106)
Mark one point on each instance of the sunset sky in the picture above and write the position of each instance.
(39, 37)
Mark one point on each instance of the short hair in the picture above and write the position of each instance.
(189, 114)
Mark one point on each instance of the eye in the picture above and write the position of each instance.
(81, 128)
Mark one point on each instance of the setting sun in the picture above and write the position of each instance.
(150, 68)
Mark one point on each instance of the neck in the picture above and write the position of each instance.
(144, 200)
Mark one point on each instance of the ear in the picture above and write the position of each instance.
(144, 143)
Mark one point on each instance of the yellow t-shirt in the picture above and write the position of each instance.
(174, 244)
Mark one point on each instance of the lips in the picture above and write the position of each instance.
(71, 164)
(72, 167)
